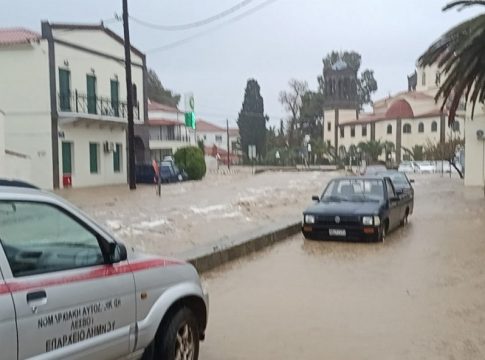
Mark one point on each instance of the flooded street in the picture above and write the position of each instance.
(420, 295)
(197, 213)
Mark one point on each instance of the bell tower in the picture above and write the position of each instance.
(341, 99)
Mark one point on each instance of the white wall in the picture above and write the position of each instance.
(25, 99)
(81, 136)
(210, 139)
(429, 74)
(329, 116)
(2, 142)
(81, 63)
(97, 40)
(474, 149)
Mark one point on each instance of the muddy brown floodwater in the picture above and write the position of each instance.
(420, 295)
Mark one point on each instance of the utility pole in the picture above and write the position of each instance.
(228, 155)
(129, 100)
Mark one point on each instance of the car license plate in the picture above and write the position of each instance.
(336, 232)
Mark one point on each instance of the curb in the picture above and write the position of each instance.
(209, 257)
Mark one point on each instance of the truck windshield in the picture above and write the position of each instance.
(354, 190)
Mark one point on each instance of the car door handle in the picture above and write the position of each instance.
(36, 299)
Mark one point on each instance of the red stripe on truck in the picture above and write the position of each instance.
(96, 273)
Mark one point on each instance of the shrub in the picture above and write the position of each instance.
(191, 159)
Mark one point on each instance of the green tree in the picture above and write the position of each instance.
(292, 101)
(366, 83)
(311, 115)
(460, 54)
(156, 91)
(415, 153)
(191, 159)
(389, 148)
(201, 145)
(251, 120)
(371, 149)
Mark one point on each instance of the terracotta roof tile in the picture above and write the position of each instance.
(205, 126)
(11, 36)
(162, 122)
(153, 106)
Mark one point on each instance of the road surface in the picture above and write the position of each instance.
(420, 295)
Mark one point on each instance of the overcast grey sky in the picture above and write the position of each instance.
(285, 40)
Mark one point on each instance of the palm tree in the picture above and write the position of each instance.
(415, 153)
(389, 148)
(372, 149)
(460, 53)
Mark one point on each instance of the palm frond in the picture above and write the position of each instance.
(463, 4)
(460, 54)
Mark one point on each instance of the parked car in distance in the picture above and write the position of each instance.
(169, 172)
(71, 290)
(425, 167)
(145, 174)
(374, 169)
(406, 167)
(404, 189)
(355, 208)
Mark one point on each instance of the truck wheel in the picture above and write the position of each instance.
(383, 232)
(179, 337)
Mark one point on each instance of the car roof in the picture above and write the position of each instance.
(363, 177)
(17, 183)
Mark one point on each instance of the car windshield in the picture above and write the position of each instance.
(398, 179)
(354, 190)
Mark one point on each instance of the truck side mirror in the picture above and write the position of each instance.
(117, 253)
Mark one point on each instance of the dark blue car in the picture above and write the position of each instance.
(355, 208)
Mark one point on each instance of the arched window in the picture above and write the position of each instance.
(456, 126)
(434, 126)
(389, 129)
(421, 127)
(406, 129)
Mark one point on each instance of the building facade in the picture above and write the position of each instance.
(214, 135)
(64, 96)
(408, 119)
(167, 131)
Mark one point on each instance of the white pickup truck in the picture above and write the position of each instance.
(70, 290)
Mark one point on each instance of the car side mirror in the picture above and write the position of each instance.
(117, 253)
(315, 198)
(411, 181)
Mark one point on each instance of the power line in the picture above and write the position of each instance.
(195, 24)
(234, 19)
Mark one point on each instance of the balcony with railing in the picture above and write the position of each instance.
(79, 103)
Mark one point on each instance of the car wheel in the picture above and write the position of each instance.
(179, 338)
(383, 233)
(307, 236)
(405, 219)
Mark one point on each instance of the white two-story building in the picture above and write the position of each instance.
(63, 93)
(166, 130)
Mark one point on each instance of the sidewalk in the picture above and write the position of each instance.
(197, 214)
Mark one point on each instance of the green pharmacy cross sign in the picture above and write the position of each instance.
(190, 119)
(190, 110)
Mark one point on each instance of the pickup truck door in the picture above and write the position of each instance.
(8, 330)
(70, 303)
(394, 205)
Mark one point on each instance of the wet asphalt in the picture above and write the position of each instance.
(419, 295)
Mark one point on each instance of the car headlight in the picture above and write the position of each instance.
(377, 220)
(367, 220)
(309, 219)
